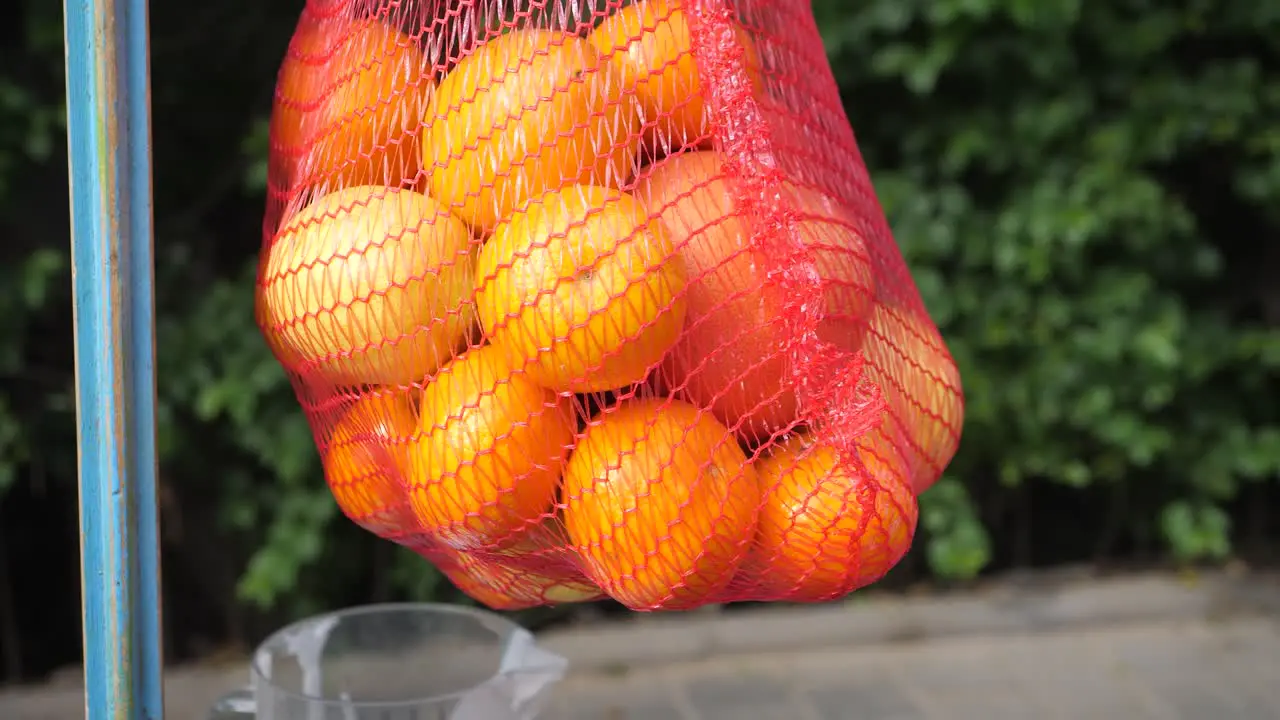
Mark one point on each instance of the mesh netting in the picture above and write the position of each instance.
(593, 299)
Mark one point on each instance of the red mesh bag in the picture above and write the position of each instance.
(593, 299)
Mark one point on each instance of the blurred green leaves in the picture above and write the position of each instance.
(1043, 171)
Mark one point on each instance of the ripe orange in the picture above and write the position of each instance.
(910, 362)
(659, 504)
(366, 462)
(503, 585)
(543, 550)
(583, 286)
(348, 105)
(649, 43)
(368, 285)
(487, 463)
(827, 528)
(731, 356)
(262, 316)
(529, 111)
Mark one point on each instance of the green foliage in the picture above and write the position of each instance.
(1069, 187)
(230, 427)
(1087, 200)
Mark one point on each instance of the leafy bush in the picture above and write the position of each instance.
(1081, 197)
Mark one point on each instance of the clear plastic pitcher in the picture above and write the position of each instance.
(397, 662)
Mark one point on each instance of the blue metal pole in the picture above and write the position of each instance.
(109, 134)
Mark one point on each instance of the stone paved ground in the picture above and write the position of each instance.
(1186, 670)
(1142, 647)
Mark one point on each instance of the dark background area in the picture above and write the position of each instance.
(1087, 194)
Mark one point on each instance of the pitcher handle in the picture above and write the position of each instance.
(235, 705)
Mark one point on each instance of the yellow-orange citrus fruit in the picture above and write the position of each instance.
(827, 528)
(348, 105)
(529, 111)
(546, 545)
(921, 384)
(369, 285)
(649, 43)
(660, 504)
(731, 356)
(262, 316)
(584, 289)
(487, 462)
(366, 461)
(505, 586)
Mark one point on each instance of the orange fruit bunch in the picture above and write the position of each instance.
(538, 340)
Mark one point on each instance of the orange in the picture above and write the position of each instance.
(910, 362)
(487, 463)
(529, 111)
(649, 43)
(505, 586)
(541, 547)
(368, 285)
(366, 462)
(660, 504)
(731, 357)
(583, 286)
(827, 527)
(262, 315)
(348, 105)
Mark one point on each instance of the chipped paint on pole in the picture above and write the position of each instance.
(109, 148)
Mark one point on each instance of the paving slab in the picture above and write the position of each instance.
(1186, 670)
(1028, 604)
(1150, 647)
